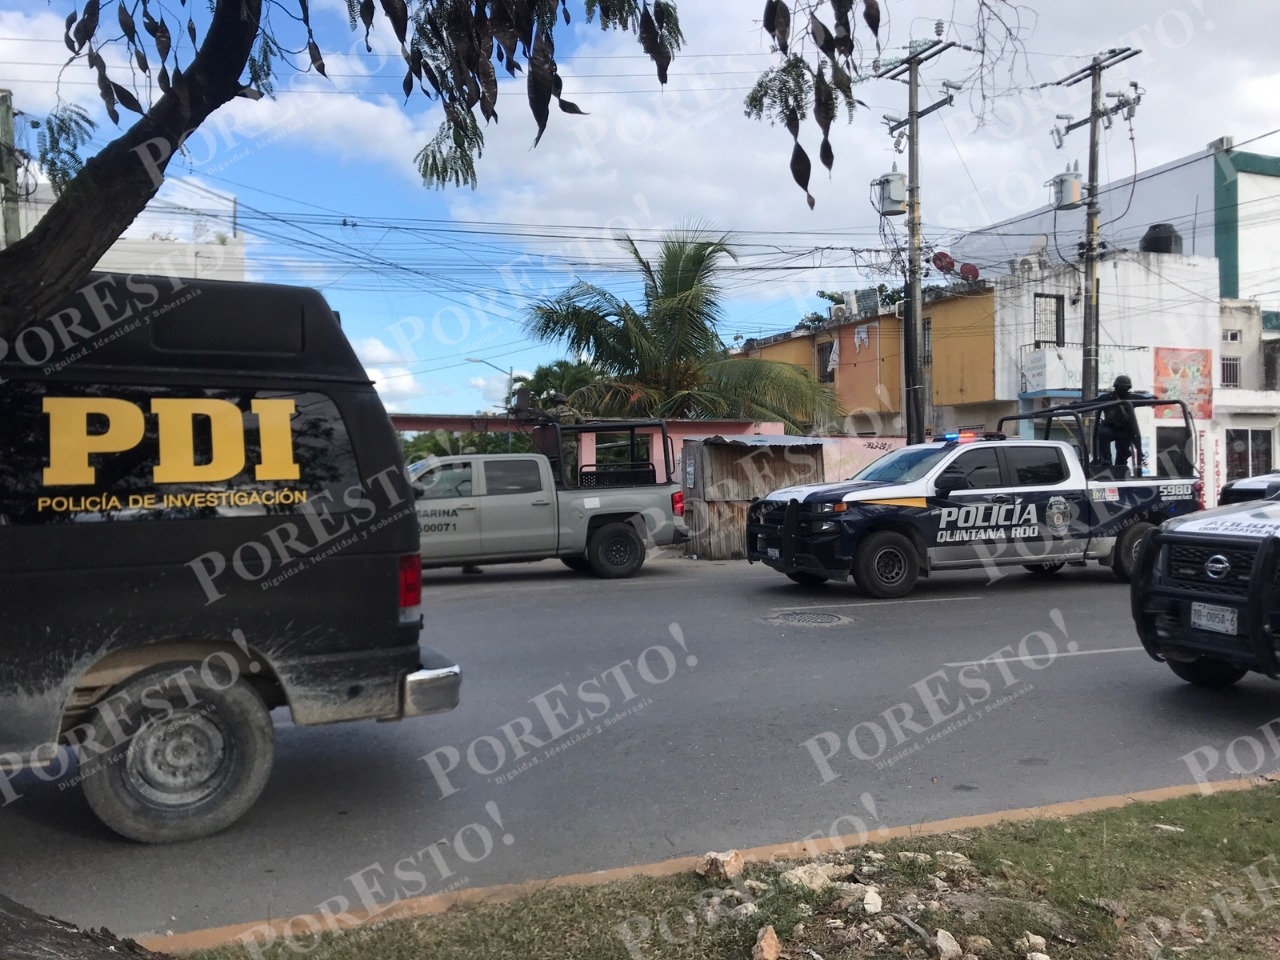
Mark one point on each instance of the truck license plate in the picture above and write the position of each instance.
(774, 553)
(1209, 616)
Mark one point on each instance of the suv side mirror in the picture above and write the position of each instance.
(948, 482)
(1273, 490)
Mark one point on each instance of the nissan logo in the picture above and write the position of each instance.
(1217, 566)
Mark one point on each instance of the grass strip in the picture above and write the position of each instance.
(1194, 877)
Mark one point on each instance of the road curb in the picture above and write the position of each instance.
(302, 924)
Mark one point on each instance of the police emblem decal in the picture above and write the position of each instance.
(1056, 516)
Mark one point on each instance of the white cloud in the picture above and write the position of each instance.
(493, 389)
(372, 350)
(396, 386)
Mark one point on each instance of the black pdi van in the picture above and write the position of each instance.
(203, 515)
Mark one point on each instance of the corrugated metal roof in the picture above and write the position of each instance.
(764, 440)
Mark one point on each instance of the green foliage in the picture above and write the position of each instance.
(450, 157)
(665, 357)
(59, 141)
(563, 376)
(782, 90)
(441, 443)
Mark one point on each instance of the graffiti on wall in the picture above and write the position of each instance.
(1185, 375)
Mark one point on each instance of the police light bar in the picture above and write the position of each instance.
(968, 436)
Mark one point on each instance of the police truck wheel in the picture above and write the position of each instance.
(1043, 569)
(615, 551)
(579, 564)
(1125, 558)
(1208, 672)
(886, 565)
(196, 750)
(806, 579)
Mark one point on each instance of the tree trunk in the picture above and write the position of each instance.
(115, 185)
(26, 935)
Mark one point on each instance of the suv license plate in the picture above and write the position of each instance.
(1209, 616)
(774, 553)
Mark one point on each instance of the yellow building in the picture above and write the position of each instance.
(956, 359)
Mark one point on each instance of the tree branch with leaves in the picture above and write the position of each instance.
(181, 65)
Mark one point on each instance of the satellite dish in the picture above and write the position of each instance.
(968, 272)
(944, 262)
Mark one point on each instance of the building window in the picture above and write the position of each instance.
(1230, 336)
(1050, 319)
(825, 374)
(1231, 371)
(926, 342)
(1248, 453)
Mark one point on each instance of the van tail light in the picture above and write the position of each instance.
(677, 503)
(410, 588)
(1198, 489)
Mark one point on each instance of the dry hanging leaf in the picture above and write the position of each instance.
(782, 26)
(126, 24)
(540, 82)
(317, 61)
(398, 14)
(800, 168)
(822, 37)
(871, 14)
(366, 17)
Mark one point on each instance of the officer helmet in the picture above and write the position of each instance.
(559, 397)
(1122, 385)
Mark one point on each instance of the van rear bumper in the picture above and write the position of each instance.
(433, 689)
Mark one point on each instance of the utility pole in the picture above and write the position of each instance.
(913, 399)
(8, 171)
(1097, 113)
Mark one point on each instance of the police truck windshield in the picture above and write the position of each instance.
(903, 466)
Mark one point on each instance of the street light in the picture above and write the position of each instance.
(511, 381)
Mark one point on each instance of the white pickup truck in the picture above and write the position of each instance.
(601, 516)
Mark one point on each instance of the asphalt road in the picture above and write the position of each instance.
(712, 678)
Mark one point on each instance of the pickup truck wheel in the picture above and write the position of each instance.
(1125, 557)
(1044, 569)
(806, 579)
(615, 551)
(1208, 672)
(886, 565)
(580, 564)
(197, 751)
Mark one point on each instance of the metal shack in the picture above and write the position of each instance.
(722, 475)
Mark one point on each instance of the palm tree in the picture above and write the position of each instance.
(666, 358)
(564, 376)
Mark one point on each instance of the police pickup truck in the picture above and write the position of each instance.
(966, 501)
(1204, 595)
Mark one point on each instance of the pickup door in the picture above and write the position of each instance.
(1017, 504)
(518, 514)
(482, 509)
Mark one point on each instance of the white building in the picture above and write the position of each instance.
(1200, 321)
(172, 240)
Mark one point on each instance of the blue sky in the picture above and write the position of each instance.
(327, 193)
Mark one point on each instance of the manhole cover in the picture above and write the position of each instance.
(809, 619)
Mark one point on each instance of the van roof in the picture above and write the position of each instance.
(115, 320)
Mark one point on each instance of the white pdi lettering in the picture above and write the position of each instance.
(987, 515)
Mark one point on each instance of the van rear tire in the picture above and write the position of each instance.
(185, 769)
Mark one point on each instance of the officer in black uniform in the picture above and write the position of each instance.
(1119, 425)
